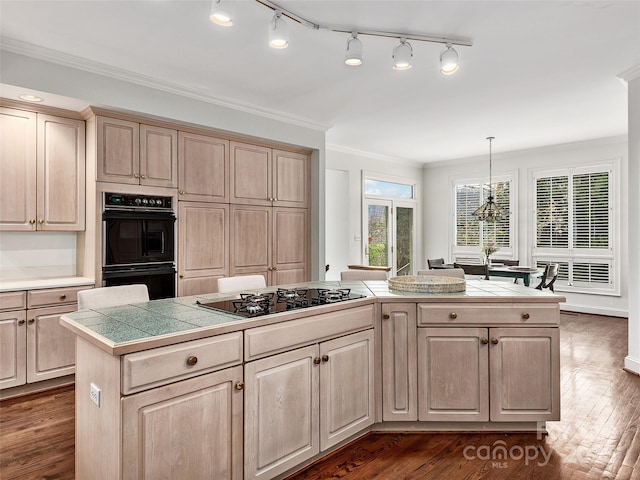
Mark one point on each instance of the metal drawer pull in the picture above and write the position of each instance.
(325, 358)
(63, 297)
(525, 316)
(385, 316)
(453, 315)
(494, 341)
(484, 341)
(240, 386)
(192, 360)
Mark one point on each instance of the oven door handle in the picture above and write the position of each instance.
(132, 215)
(137, 271)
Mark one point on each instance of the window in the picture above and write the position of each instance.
(470, 234)
(574, 227)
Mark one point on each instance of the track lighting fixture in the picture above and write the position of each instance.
(221, 14)
(402, 55)
(278, 33)
(448, 60)
(353, 57)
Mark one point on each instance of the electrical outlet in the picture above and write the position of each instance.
(94, 394)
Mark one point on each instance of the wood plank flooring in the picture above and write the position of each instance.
(597, 438)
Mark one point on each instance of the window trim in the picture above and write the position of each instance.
(572, 255)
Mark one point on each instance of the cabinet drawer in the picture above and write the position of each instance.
(160, 366)
(53, 296)
(13, 300)
(271, 339)
(488, 314)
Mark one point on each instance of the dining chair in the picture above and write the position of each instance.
(112, 296)
(444, 272)
(474, 269)
(435, 262)
(549, 276)
(240, 282)
(363, 275)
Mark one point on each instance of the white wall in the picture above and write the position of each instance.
(111, 92)
(438, 219)
(349, 167)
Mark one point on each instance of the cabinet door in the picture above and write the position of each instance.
(118, 151)
(251, 174)
(61, 173)
(399, 362)
(51, 348)
(453, 383)
(281, 412)
(203, 168)
(17, 170)
(158, 156)
(347, 387)
(525, 374)
(203, 246)
(251, 240)
(290, 245)
(188, 430)
(13, 348)
(291, 179)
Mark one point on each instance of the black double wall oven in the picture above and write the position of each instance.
(139, 242)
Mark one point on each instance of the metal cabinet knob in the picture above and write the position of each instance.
(31, 321)
(41, 221)
(453, 315)
(240, 386)
(325, 358)
(525, 316)
(32, 221)
(181, 192)
(386, 316)
(21, 322)
(484, 341)
(494, 341)
(143, 176)
(135, 175)
(192, 360)
(63, 297)
(316, 361)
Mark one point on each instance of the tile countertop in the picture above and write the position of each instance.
(40, 283)
(130, 328)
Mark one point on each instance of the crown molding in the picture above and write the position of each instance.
(372, 155)
(79, 63)
(630, 74)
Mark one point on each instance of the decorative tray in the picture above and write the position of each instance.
(427, 284)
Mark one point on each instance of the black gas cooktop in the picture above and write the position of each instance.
(283, 300)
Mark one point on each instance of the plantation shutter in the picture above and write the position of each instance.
(552, 212)
(467, 226)
(591, 210)
(498, 232)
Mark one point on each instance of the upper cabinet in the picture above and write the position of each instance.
(203, 168)
(264, 176)
(136, 154)
(42, 180)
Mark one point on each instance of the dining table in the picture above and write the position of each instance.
(501, 270)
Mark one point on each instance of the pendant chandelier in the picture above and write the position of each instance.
(489, 211)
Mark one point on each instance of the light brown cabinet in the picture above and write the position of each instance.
(138, 154)
(35, 346)
(488, 374)
(42, 180)
(203, 246)
(203, 168)
(327, 388)
(270, 241)
(271, 177)
(399, 365)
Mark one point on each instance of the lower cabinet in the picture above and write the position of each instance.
(304, 401)
(189, 430)
(488, 374)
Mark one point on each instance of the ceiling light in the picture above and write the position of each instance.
(221, 14)
(278, 33)
(30, 98)
(353, 57)
(402, 55)
(489, 211)
(448, 61)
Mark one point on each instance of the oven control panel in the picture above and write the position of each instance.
(131, 201)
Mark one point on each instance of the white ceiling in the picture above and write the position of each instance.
(538, 73)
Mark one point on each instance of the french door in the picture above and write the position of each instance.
(389, 235)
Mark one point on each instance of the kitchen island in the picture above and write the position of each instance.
(169, 389)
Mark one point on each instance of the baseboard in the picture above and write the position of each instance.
(632, 365)
(608, 312)
(36, 387)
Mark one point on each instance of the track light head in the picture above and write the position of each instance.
(448, 60)
(278, 32)
(402, 55)
(353, 56)
(221, 14)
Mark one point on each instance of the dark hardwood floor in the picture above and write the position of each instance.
(597, 438)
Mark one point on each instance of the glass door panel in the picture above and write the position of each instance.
(404, 241)
(377, 245)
